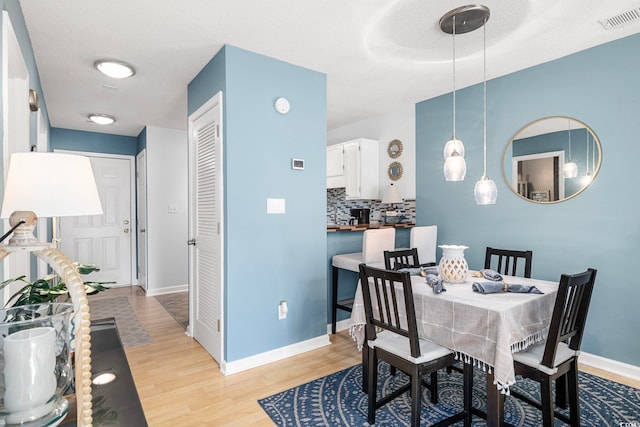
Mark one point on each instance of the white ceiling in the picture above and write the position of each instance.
(377, 54)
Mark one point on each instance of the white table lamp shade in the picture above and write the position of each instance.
(391, 195)
(50, 185)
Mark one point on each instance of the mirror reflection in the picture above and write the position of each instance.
(552, 159)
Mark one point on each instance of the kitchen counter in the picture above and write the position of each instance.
(331, 228)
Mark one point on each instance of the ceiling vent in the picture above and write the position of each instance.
(621, 19)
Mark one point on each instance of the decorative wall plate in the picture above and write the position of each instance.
(395, 171)
(394, 149)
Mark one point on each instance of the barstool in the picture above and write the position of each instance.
(425, 239)
(374, 243)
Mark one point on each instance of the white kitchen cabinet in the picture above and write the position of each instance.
(361, 169)
(335, 166)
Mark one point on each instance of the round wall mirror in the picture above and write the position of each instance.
(394, 171)
(394, 149)
(552, 159)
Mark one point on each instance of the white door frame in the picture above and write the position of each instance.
(132, 201)
(141, 197)
(42, 146)
(15, 130)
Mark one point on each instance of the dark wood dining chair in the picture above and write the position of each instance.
(507, 261)
(387, 295)
(402, 258)
(558, 356)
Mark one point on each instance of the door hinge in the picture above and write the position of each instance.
(218, 225)
(218, 131)
(218, 325)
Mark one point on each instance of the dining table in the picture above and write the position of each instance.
(483, 329)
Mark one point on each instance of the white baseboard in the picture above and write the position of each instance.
(228, 368)
(610, 365)
(341, 325)
(167, 290)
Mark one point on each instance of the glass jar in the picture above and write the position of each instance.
(35, 360)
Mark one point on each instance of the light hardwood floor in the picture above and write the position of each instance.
(179, 384)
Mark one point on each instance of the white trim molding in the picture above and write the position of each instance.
(228, 368)
(341, 325)
(610, 365)
(167, 290)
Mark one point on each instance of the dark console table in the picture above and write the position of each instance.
(116, 403)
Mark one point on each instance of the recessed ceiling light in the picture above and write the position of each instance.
(104, 378)
(102, 119)
(115, 69)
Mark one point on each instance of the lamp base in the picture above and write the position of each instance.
(23, 235)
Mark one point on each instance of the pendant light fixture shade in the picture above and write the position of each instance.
(455, 167)
(485, 190)
(570, 169)
(453, 145)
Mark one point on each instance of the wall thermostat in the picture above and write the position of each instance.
(297, 164)
(282, 105)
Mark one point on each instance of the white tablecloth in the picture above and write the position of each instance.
(484, 329)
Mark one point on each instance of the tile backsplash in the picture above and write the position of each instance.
(339, 208)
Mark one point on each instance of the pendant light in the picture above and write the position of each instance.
(460, 20)
(455, 167)
(570, 169)
(485, 190)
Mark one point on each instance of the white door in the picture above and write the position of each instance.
(205, 226)
(141, 185)
(105, 240)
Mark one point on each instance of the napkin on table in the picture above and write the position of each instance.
(496, 287)
(492, 275)
(411, 271)
(436, 283)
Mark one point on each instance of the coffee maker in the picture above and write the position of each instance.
(361, 215)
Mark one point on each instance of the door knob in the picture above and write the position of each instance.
(126, 221)
(126, 230)
(142, 230)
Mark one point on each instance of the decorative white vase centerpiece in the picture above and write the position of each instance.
(453, 267)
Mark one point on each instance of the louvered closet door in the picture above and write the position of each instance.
(205, 157)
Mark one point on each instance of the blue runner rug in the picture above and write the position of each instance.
(338, 400)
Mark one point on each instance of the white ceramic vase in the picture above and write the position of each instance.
(453, 267)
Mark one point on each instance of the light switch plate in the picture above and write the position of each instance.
(275, 206)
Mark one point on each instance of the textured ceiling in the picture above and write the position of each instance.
(377, 54)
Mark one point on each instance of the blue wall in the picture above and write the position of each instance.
(76, 140)
(269, 258)
(599, 228)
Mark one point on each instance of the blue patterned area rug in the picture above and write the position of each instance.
(338, 400)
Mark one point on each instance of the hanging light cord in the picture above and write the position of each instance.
(454, 77)
(484, 88)
(569, 121)
(587, 153)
